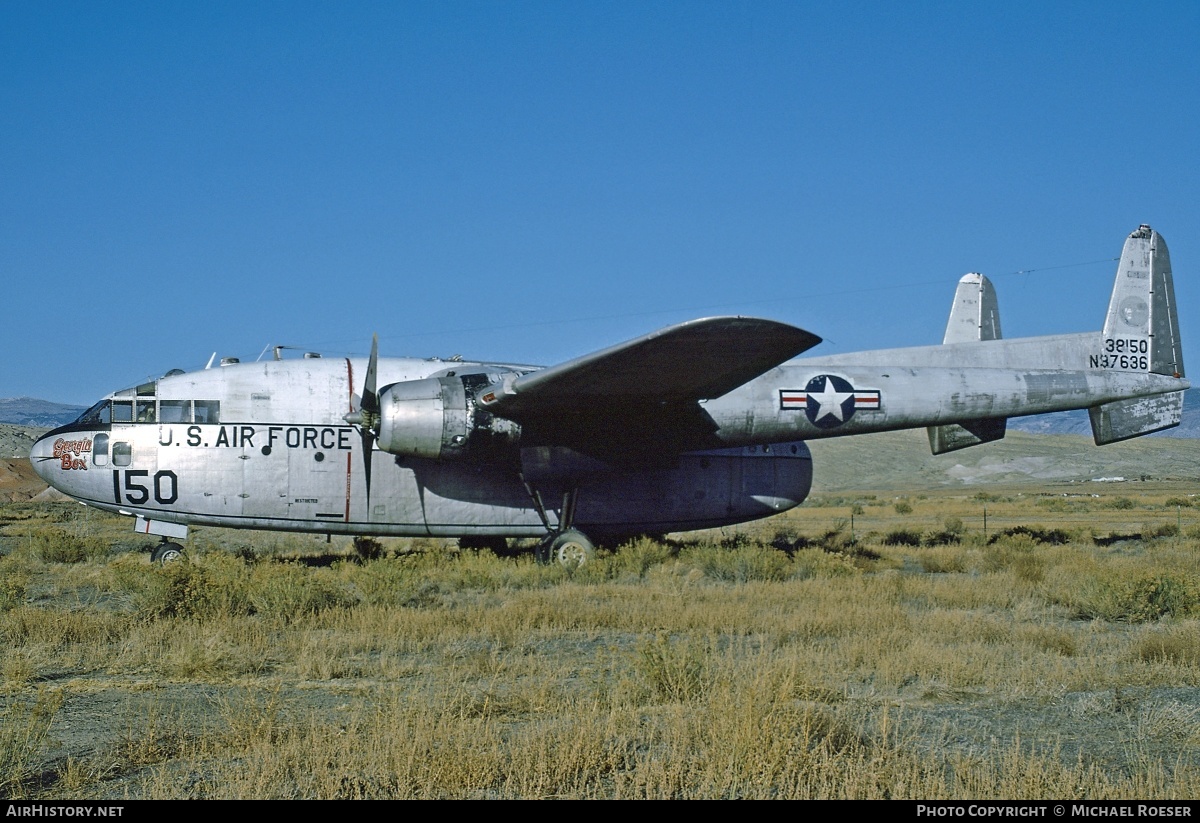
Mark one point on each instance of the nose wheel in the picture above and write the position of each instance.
(167, 552)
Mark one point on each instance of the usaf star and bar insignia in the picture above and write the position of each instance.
(829, 401)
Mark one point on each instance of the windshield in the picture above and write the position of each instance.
(141, 406)
(100, 413)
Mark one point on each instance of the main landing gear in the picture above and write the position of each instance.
(570, 549)
(567, 546)
(167, 552)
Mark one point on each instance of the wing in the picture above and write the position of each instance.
(645, 390)
(695, 360)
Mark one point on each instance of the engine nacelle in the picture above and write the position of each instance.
(436, 418)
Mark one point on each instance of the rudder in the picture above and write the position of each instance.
(1141, 334)
(974, 316)
(975, 313)
(1141, 330)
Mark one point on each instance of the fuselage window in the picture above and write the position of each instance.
(122, 453)
(100, 450)
(175, 411)
(145, 410)
(208, 411)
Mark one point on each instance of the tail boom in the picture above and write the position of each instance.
(1129, 375)
(817, 398)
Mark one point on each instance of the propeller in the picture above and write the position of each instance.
(366, 417)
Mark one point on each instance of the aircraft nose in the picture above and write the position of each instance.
(60, 454)
(41, 457)
(63, 458)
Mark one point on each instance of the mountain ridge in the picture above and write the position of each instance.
(32, 411)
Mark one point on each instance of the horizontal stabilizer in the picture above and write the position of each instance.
(955, 436)
(1124, 419)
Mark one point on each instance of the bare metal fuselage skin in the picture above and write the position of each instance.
(267, 445)
(933, 385)
(282, 457)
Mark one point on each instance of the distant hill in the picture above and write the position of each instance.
(1076, 422)
(18, 482)
(16, 440)
(29, 411)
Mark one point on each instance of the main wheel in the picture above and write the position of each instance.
(167, 553)
(572, 549)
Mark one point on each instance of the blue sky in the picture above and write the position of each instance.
(529, 181)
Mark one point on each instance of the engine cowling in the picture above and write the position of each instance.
(437, 418)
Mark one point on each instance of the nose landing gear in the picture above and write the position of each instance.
(167, 552)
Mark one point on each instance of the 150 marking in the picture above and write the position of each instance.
(1128, 353)
(137, 492)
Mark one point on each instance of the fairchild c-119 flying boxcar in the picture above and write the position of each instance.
(697, 425)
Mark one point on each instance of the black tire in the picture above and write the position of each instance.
(572, 549)
(165, 553)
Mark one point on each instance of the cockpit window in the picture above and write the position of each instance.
(122, 411)
(99, 414)
(208, 411)
(124, 407)
(175, 411)
(189, 411)
(143, 405)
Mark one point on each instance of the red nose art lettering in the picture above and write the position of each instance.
(69, 451)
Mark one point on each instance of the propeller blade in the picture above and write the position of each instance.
(370, 399)
(368, 446)
(368, 407)
(366, 417)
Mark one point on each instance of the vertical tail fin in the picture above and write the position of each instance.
(1141, 334)
(1142, 311)
(974, 315)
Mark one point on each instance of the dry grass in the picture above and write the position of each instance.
(794, 658)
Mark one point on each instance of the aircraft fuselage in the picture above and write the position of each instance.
(278, 455)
